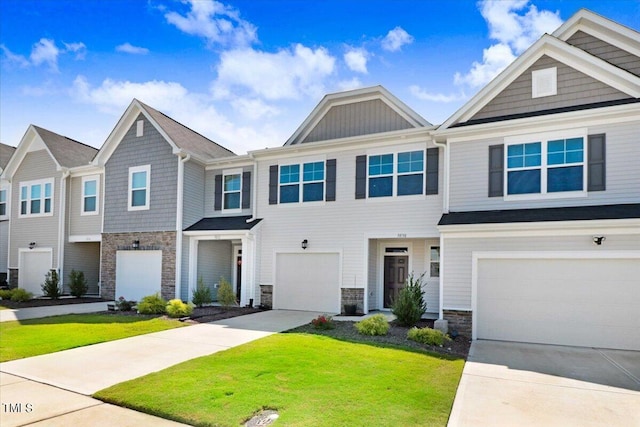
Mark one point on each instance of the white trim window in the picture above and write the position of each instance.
(434, 261)
(396, 174)
(546, 167)
(36, 198)
(139, 188)
(4, 211)
(90, 195)
(232, 190)
(312, 178)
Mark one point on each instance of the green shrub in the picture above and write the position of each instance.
(374, 325)
(5, 294)
(409, 306)
(323, 322)
(226, 297)
(50, 286)
(176, 308)
(427, 336)
(20, 295)
(201, 294)
(77, 283)
(152, 304)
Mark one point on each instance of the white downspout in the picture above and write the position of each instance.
(61, 225)
(179, 217)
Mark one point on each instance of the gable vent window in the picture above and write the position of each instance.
(544, 82)
(140, 128)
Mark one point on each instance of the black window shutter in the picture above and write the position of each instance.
(273, 184)
(496, 170)
(361, 177)
(433, 160)
(246, 190)
(217, 193)
(596, 171)
(330, 195)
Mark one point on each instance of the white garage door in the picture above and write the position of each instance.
(138, 274)
(578, 302)
(33, 267)
(307, 282)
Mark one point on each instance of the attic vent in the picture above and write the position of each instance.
(544, 82)
(140, 128)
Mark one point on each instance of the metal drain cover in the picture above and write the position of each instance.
(263, 418)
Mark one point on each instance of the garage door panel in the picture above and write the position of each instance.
(138, 274)
(307, 282)
(581, 302)
(34, 265)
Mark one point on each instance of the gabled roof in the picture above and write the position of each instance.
(65, 152)
(6, 151)
(178, 136)
(329, 101)
(558, 49)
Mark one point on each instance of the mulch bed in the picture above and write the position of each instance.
(200, 314)
(44, 302)
(345, 330)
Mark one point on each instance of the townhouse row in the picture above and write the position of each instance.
(522, 209)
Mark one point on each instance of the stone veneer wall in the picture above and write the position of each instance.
(459, 321)
(352, 296)
(13, 278)
(266, 296)
(158, 240)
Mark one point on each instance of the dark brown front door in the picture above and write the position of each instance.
(395, 274)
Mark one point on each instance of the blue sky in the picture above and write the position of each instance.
(246, 73)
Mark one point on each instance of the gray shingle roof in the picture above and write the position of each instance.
(186, 139)
(67, 152)
(6, 151)
(224, 223)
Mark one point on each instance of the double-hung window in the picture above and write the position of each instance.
(90, 195)
(308, 186)
(3, 202)
(139, 187)
(232, 190)
(549, 165)
(434, 261)
(397, 174)
(36, 198)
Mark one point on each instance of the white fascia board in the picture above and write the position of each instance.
(86, 170)
(116, 134)
(353, 142)
(23, 149)
(548, 123)
(229, 162)
(85, 238)
(546, 228)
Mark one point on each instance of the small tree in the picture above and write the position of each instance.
(77, 283)
(226, 297)
(201, 294)
(409, 306)
(50, 286)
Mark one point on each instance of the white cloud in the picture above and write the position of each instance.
(14, 59)
(422, 94)
(216, 22)
(45, 52)
(286, 74)
(395, 39)
(516, 25)
(134, 50)
(254, 108)
(78, 48)
(356, 59)
(354, 83)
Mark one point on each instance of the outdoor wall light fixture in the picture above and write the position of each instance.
(305, 243)
(136, 244)
(32, 245)
(597, 240)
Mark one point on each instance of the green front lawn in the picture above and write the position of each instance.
(310, 380)
(32, 337)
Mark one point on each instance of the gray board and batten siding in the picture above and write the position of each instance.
(358, 118)
(574, 88)
(605, 51)
(149, 149)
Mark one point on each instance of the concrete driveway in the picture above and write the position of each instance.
(57, 386)
(516, 384)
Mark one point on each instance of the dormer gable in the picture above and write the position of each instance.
(355, 113)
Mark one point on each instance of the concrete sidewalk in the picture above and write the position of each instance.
(85, 370)
(52, 310)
